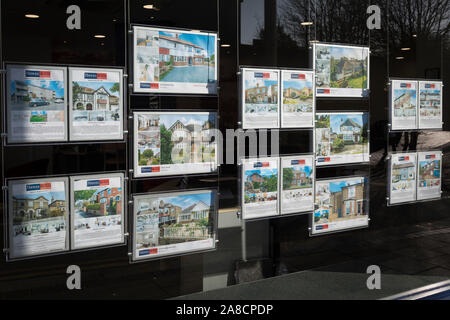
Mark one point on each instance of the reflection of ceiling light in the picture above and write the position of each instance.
(405, 49)
(150, 7)
(307, 23)
(399, 58)
(225, 45)
(99, 36)
(313, 41)
(31, 16)
(414, 35)
(102, 43)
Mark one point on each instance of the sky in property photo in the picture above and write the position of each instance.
(204, 41)
(57, 86)
(185, 201)
(337, 120)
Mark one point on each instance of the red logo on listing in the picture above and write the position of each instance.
(266, 75)
(102, 76)
(265, 164)
(154, 251)
(45, 74)
(46, 186)
(154, 85)
(104, 182)
(156, 169)
(327, 159)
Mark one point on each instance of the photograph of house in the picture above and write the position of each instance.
(176, 139)
(430, 103)
(429, 173)
(261, 185)
(297, 177)
(341, 134)
(405, 103)
(98, 202)
(174, 219)
(403, 175)
(340, 200)
(37, 213)
(165, 56)
(297, 96)
(341, 67)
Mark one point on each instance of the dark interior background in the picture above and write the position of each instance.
(253, 33)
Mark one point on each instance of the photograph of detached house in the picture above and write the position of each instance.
(175, 56)
(261, 96)
(340, 200)
(297, 177)
(261, 185)
(429, 173)
(176, 139)
(405, 103)
(430, 103)
(39, 213)
(297, 96)
(168, 220)
(338, 134)
(341, 67)
(96, 101)
(37, 94)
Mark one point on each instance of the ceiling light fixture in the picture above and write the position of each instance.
(414, 35)
(225, 45)
(307, 23)
(31, 16)
(148, 6)
(405, 49)
(99, 36)
(399, 58)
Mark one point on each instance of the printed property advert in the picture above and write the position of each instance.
(341, 138)
(341, 204)
(403, 104)
(260, 99)
(259, 188)
(430, 104)
(429, 175)
(36, 104)
(96, 104)
(38, 217)
(341, 71)
(174, 61)
(173, 224)
(173, 143)
(297, 184)
(97, 211)
(403, 178)
(298, 103)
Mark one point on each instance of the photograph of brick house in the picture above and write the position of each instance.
(429, 173)
(262, 94)
(98, 202)
(260, 185)
(340, 200)
(297, 177)
(44, 212)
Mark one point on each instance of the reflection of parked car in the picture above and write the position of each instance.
(59, 100)
(100, 118)
(80, 118)
(38, 102)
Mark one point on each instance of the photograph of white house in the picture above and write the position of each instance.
(168, 220)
